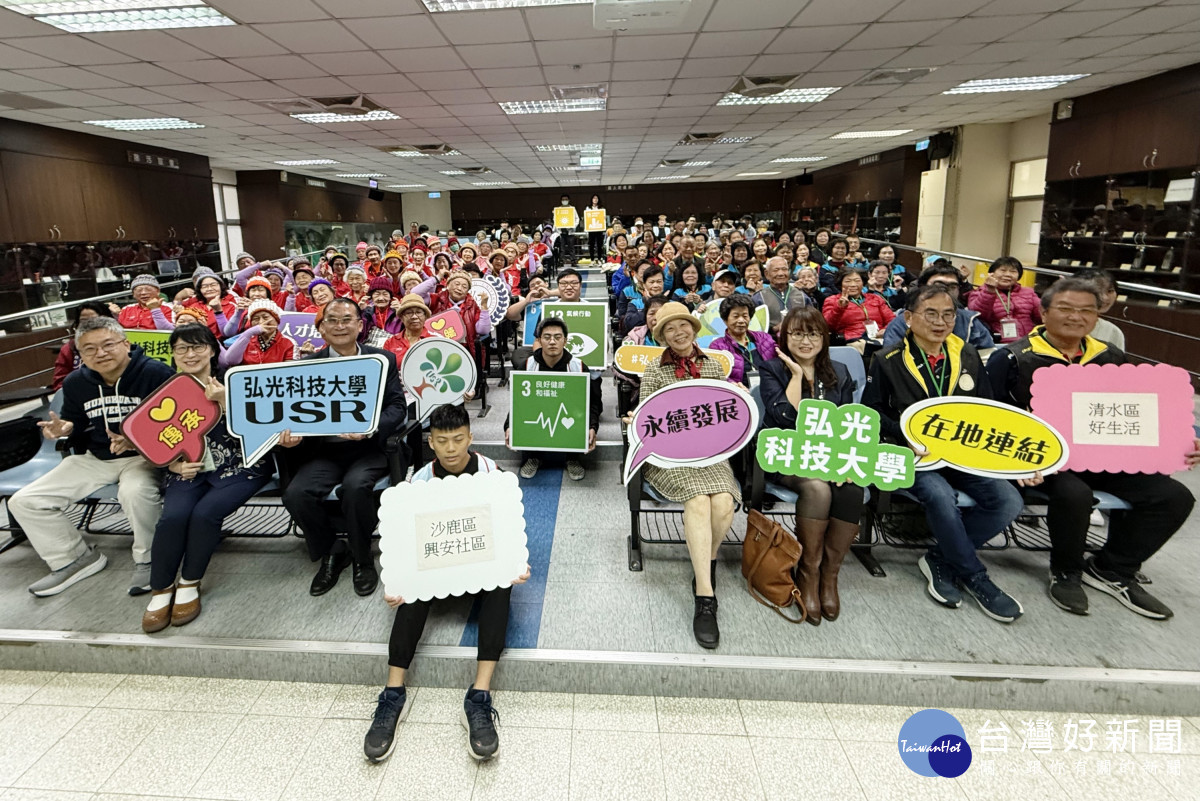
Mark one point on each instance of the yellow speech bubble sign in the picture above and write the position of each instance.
(983, 437)
(633, 359)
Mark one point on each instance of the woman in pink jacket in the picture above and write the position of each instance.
(1009, 310)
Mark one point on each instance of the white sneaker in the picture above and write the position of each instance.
(529, 468)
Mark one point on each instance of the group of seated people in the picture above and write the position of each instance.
(933, 346)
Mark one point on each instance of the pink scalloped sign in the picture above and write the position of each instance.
(1118, 418)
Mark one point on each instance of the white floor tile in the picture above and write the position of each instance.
(1178, 773)
(616, 712)
(36, 794)
(91, 751)
(185, 694)
(711, 767)
(883, 776)
(296, 699)
(532, 764)
(786, 719)
(868, 722)
(533, 710)
(37, 729)
(1109, 775)
(616, 766)
(804, 770)
(257, 760)
(173, 755)
(430, 763)
(76, 689)
(700, 716)
(17, 685)
(334, 766)
(355, 701)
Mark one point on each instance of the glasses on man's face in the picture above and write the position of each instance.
(1067, 311)
(339, 322)
(552, 338)
(112, 346)
(185, 350)
(932, 316)
(412, 313)
(815, 336)
(568, 284)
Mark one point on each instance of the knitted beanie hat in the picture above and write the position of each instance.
(258, 280)
(242, 255)
(195, 313)
(412, 301)
(264, 305)
(382, 283)
(319, 282)
(145, 279)
(356, 269)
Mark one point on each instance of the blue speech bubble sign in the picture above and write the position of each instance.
(317, 397)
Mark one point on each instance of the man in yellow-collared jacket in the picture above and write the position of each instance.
(932, 362)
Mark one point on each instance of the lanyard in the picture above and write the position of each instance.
(862, 306)
(1006, 304)
(940, 385)
(783, 297)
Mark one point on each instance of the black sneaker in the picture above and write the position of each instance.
(479, 718)
(381, 737)
(940, 582)
(995, 602)
(1066, 591)
(704, 624)
(1128, 591)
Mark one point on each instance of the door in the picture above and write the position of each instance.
(1024, 230)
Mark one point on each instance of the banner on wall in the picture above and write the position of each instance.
(690, 424)
(171, 422)
(314, 397)
(588, 326)
(634, 359)
(550, 411)
(155, 344)
(1118, 418)
(836, 443)
(984, 437)
(452, 536)
(437, 371)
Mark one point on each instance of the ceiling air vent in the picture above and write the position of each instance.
(593, 91)
(749, 86)
(421, 150)
(475, 170)
(895, 77)
(699, 138)
(349, 106)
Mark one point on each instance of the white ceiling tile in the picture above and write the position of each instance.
(383, 32)
(1066, 25)
(867, 58)
(894, 34)
(586, 74)
(448, 96)
(835, 12)
(340, 9)
(319, 36)
(483, 27)
(132, 95)
(932, 10)
(932, 55)
(194, 92)
(231, 42)
(279, 67)
(790, 64)
(358, 63)
(11, 82)
(269, 10)
(563, 22)
(713, 67)
(644, 88)
(18, 25)
(373, 84)
(734, 15)
(72, 98)
(500, 55)
(574, 51)
(316, 87)
(1151, 21)
(805, 40)
(147, 45)
(515, 76)
(1003, 7)
(986, 30)
(12, 58)
(74, 50)
(732, 43)
(72, 78)
(691, 86)
(235, 107)
(138, 74)
(209, 70)
(423, 59)
(460, 79)
(667, 46)
(636, 70)
(252, 90)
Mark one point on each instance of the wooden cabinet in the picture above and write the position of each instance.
(45, 198)
(113, 203)
(1080, 148)
(177, 206)
(1158, 135)
(6, 232)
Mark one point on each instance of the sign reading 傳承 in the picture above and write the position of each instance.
(155, 344)
(549, 411)
(170, 423)
(587, 324)
(315, 397)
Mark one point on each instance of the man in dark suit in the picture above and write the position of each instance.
(355, 461)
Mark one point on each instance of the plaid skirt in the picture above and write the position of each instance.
(681, 484)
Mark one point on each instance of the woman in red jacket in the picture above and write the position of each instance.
(860, 319)
(261, 343)
(1009, 310)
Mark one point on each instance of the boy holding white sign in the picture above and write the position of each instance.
(450, 438)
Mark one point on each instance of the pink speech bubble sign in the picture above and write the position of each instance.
(1118, 418)
(690, 424)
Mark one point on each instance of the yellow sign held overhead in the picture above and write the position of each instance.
(566, 217)
(594, 220)
(634, 359)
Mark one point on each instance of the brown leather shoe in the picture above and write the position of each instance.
(182, 614)
(838, 539)
(161, 618)
(811, 534)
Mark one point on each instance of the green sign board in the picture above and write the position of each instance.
(549, 411)
(588, 324)
(154, 343)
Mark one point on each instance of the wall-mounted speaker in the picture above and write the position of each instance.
(375, 194)
(940, 146)
(805, 179)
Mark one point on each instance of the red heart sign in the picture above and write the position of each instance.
(172, 421)
(448, 324)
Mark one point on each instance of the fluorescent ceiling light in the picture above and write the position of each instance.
(145, 124)
(1032, 84)
(491, 183)
(554, 106)
(557, 148)
(689, 164)
(361, 175)
(95, 16)
(748, 174)
(669, 178)
(306, 162)
(453, 172)
(871, 134)
(325, 117)
(405, 186)
(481, 5)
(786, 96)
(732, 140)
(408, 154)
(797, 159)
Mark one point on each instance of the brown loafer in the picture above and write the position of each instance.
(161, 618)
(182, 614)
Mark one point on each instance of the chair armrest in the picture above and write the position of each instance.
(398, 453)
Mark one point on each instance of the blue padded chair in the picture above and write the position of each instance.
(852, 360)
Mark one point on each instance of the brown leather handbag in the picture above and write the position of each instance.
(769, 555)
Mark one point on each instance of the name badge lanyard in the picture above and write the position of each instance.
(1008, 324)
(938, 383)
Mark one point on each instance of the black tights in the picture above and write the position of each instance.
(822, 500)
(410, 623)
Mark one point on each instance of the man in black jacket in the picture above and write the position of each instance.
(112, 381)
(355, 461)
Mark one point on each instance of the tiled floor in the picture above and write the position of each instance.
(72, 737)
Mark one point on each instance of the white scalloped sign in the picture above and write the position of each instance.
(452, 536)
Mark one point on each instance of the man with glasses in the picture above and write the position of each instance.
(1160, 504)
(932, 362)
(354, 461)
(110, 383)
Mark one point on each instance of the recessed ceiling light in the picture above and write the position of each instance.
(407, 154)
(491, 183)
(94, 16)
(480, 5)
(748, 174)
(306, 162)
(688, 164)
(554, 106)
(797, 159)
(325, 117)
(1031, 84)
(145, 124)
(557, 148)
(732, 140)
(786, 96)
(871, 134)
(453, 172)
(668, 178)
(360, 175)
(405, 186)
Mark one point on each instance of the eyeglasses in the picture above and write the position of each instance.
(1069, 310)
(562, 284)
(184, 350)
(112, 346)
(413, 313)
(552, 337)
(815, 336)
(932, 316)
(339, 322)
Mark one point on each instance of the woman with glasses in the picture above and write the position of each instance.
(858, 319)
(827, 513)
(413, 313)
(197, 496)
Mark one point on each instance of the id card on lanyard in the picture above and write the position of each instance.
(1008, 324)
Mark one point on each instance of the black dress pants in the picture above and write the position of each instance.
(318, 467)
(410, 623)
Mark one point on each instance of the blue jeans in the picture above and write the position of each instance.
(958, 532)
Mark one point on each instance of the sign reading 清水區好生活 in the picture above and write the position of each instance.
(170, 423)
(1118, 418)
(836, 443)
(984, 437)
(634, 359)
(594, 220)
(550, 411)
(587, 323)
(301, 329)
(690, 424)
(155, 344)
(566, 217)
(313, 397)
(451, 536)
(437, 371)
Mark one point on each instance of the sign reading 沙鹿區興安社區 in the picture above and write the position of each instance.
(549, 411)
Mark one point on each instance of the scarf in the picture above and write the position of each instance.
(685, 366)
